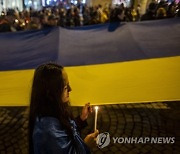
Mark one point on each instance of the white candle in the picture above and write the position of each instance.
(95, 121)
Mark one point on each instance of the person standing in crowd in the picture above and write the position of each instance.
(4, 25)
(81, 8)
(34, 23)
(117, 14)
(138, 10)
(7, 21)
(52, 127)
(150, 12)
(171, 11)
(161, 11)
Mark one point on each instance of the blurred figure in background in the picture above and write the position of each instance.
(8, 21)
(34, 22)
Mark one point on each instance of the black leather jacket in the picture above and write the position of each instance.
(50, 138)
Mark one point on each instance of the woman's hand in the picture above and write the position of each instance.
(90, 139)
(87, 109)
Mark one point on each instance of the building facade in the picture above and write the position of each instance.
(38, 4)
(35, 4)
(5, 4)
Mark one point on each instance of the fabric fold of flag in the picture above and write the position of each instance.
(133, 62)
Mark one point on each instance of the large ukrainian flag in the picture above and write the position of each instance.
(106, 64)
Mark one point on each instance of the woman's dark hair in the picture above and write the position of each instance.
(47, 89)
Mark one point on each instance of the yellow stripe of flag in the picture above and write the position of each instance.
(126, 82)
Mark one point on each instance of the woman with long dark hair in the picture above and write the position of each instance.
(52, 127)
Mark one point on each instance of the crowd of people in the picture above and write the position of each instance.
(80, 14)
(161, 10)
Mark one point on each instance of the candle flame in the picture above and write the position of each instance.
(96, 107)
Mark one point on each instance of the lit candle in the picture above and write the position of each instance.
(95, 122)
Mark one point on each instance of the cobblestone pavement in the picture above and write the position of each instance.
(120, 120)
